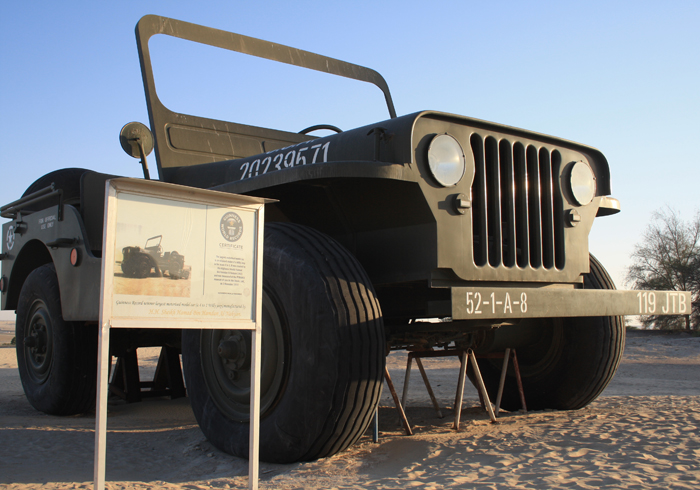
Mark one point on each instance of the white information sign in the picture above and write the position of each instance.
(179, 257)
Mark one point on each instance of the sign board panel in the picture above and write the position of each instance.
(179, 257)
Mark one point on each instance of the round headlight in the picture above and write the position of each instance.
(446, 160)
(582, 183)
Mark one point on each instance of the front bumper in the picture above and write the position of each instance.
(507, 303)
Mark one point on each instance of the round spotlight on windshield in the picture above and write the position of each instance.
(446, 160)
(582, 183)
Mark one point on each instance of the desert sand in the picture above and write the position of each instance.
(642, 433)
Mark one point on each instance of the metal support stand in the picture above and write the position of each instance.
(402, 414)
(411, 356)
(466, 357)
(126, 383)
(459, 395)
(507, 355)
(167, 380)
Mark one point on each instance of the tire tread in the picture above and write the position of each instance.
(360, 309)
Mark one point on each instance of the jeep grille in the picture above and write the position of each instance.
(517, 211)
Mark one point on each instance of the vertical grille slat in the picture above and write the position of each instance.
(480, 204)
(521, 207)
(547, 209)
(493, 192)
(559, 255)
(533, 207)
(507, 203)
(517, 210)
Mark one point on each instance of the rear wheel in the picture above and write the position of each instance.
(57, 360)
(571, 363)
(322, 355)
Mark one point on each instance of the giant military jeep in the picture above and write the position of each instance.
(374, 231)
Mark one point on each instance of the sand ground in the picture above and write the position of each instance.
(642, 433)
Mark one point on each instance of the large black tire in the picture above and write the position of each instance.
(570, 365)
(57, 359)
(323, 352)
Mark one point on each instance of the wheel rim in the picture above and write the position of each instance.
(226, 360)
(38, 342)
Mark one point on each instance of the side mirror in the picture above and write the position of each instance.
(137, 141)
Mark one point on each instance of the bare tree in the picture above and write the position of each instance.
(668, 257)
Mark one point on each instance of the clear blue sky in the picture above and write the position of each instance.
(619, 76)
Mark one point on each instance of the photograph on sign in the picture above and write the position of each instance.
(183, 260)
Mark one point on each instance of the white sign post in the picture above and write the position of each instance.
(215, 239)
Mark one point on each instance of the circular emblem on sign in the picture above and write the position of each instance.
(10, 237)
(231, 227)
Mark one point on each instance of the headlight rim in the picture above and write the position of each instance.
(582, 183)
(434, 166)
